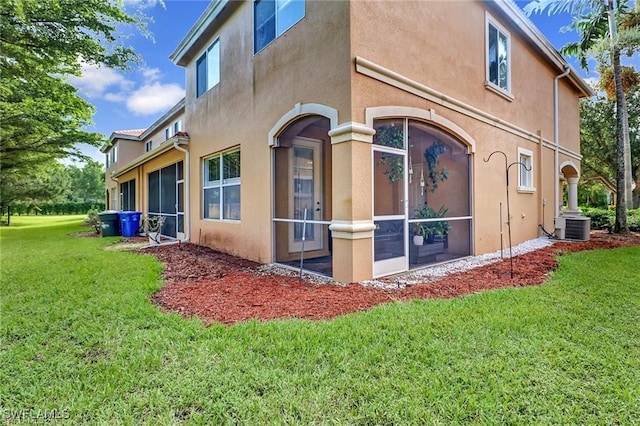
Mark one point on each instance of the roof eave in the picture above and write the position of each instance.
(176, 109)
(205, 20)
(164, 147)
(513, 12)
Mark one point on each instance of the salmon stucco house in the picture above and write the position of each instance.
(362, 123)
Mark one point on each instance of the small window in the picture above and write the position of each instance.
(272, 18)
(525, 175)
(208, 69)
(148, 146)
(221, 186)
(167, 133)
(114, 155)
(107, 160)
(498, 56)
(177, 126)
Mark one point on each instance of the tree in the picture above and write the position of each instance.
(42, 42)
(598, 136)
(594, 20)
(87, 183)
(45, 182)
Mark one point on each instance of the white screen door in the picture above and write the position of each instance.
(305, 191)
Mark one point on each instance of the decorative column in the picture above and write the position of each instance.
(572, 183)
(352, 225)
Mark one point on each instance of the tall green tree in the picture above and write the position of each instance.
(42, 43)
(595, 22)
(87, 182)
(598, 138)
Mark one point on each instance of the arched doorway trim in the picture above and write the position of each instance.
(572, 167)
(301, 110)
(429, 116)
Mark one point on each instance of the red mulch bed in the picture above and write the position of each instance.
(217, 287)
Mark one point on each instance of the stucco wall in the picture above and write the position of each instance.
(307, 64)
(441, 45)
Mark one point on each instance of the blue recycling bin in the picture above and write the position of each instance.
(129, 223)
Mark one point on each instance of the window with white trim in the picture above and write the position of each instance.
(221, 186)
(114, 155)
(148, 146)
(167, 133)
(498, 56)
(525, 175)
(208, 69)
(271, 18)
(177, 126)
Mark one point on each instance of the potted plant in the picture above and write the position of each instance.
(153, 227)
(419, 232)
(432, 229)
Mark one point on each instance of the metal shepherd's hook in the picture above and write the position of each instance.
(506, 171)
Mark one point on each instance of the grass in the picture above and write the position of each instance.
(80, 342)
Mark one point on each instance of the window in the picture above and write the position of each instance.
(271, 18)
(525, 175)
(148, 146)
(221, 186)
(208, 69)
(498, 57)
(167, 133)
(113, 156)
(128, 195)
(177, 126)
(107, 159)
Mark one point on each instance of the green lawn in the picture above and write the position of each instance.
(81, 342)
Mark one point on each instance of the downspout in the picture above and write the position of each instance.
(187, 190)
(556, 141)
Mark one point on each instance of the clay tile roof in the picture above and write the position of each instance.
(134, 132)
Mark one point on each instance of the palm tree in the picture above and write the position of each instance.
(594, 21)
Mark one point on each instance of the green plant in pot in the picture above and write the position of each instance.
(429, 230)
(419, 233)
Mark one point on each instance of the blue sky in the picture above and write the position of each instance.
(135, 99)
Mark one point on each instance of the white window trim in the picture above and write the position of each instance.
(521, 188)
(205, 54)
(148, 146)
(220, 184)
(507, 94)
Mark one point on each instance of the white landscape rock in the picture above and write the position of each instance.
(436, 272)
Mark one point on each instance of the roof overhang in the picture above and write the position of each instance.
(212, 17)
(542, 44)
(160, 122)
(164, 147)
(114, 136)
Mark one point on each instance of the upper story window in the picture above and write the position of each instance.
(167, 133)
(177, 126)
(208, 69)
(525, 177)
(148, 146)
(271, 18)
(498, 56)
(112, 156)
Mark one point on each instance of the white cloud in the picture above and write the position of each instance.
(150, 74)
(95, 80)
(141, 3)
(154, 98)
(115, 97)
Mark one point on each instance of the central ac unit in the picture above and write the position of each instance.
(577, 228)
